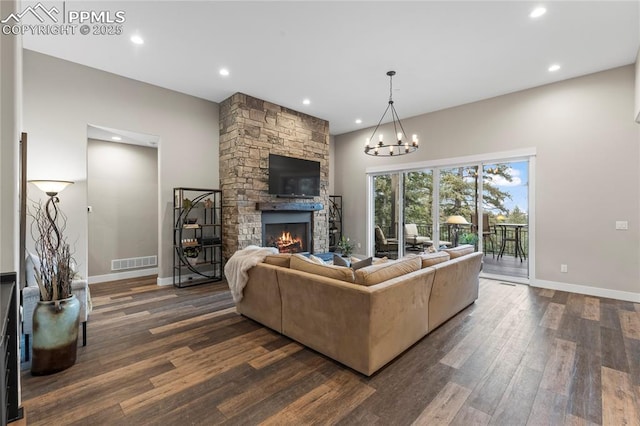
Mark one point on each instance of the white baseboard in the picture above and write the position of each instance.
(122, 275)
(589, 291)
(164, 281)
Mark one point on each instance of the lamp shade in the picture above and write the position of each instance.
(51, 187)
(457, 220)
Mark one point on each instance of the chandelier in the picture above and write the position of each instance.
(398, 146)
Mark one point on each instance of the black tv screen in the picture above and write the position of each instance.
(293, 177)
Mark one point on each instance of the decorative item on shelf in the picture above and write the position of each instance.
(345, 246)
(189, 242)
(56, 317)
(191, 223)
(456, 221)
(208, 203)
(187, 204)
(399, 147)
(192, 253)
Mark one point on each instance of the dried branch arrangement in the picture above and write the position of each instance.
(55, 274)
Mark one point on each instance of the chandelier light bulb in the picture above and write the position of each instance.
(390, 149)
(366, 143)
(399, 136)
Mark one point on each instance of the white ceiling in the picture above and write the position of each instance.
(337, 54)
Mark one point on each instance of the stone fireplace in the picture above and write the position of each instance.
(250, 129)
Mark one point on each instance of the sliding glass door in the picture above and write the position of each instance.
(484, 204)
(386, 215)
(418, 210)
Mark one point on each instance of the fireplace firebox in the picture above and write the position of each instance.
(289, 232)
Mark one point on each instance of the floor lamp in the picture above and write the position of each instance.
(456, 221)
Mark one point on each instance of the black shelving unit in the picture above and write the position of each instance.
(197, 236)
(335, 220)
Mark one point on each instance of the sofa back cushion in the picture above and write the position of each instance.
(459, 251)
(376, 274)
(282, 259)
(301, 263)
(430, 259)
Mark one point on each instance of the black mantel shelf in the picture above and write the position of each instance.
(299, 207)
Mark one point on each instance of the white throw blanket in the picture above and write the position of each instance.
(237, 266)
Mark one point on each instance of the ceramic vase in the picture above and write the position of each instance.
(55, 335)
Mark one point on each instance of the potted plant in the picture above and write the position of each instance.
(468, 238)
(56, 316)
(192, 253)
(345, 246)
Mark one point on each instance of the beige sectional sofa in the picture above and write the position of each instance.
(366, 318)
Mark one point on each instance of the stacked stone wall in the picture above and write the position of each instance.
(251, 129)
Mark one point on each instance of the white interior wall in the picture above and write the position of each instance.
(10, 129)
(123, 195)
(61, 98)
(587, 173)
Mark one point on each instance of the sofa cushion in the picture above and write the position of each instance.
(301, 263)
(376, 274)
(282, 259)
(430, 259)
(459, 251)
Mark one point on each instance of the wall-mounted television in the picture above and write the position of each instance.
(293, 177)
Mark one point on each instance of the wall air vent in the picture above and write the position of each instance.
(134, 263)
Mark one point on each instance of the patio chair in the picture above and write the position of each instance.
(488, 232)
(385, 245)
(412, 237)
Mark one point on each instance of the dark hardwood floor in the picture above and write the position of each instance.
(161, 355)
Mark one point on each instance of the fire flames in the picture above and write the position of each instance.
(286, 243)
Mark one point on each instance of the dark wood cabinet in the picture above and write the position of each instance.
(9, 372)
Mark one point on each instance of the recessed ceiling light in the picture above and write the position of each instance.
(358, 121)
(554, 68)
(224, 72)
(116, 138)
(306, 101)
(137, 39)
(537, 12)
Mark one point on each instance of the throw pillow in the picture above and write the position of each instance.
(357, 264)
(340, 261)
(380, 260)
